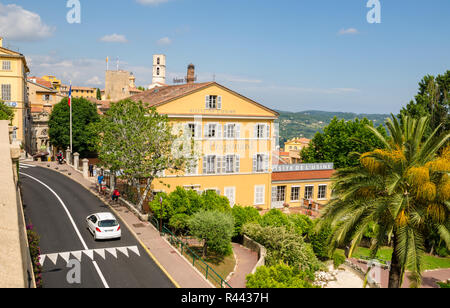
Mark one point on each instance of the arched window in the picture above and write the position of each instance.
(157, 61)
(157, 71)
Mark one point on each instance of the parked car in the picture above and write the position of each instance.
(104, 226)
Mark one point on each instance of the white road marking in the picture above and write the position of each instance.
(26, 165)
(105, 284)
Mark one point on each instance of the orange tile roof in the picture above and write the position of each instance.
(41, 81)
(302, 175)
(160, 95)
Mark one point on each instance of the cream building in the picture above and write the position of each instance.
(13, 91)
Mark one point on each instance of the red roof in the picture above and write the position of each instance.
(302, 175)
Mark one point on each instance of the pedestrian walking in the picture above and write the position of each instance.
(100, 179)
(91, 170)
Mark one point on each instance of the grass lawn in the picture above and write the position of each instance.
(385, 253)
(223, 266)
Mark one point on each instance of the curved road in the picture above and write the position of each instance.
(57, 208)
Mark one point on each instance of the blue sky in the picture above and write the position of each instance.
(290, 55)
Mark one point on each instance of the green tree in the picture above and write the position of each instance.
(401, 188)
(243, 215)
(275, 218)
(140, 143)
(99, 94)
(432, 100)
(84, 120)
(6, 112)
(279, 276)
(340, 140)
(215, 229)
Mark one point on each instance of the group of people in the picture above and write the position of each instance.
(102, 188)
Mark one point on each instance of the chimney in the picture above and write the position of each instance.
(190, 74)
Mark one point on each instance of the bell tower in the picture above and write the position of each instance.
(159, 69)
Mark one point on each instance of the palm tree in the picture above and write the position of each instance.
(402, 188)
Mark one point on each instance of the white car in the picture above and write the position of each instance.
(104, 226)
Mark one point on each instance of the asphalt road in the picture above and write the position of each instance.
(60, 221)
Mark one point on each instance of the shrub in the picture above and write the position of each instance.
(284, 246)
(338, 260)
(243, 215)
(278, 276)
(35, 252)
(302, 223)
(211, 201)
(320, 241)
(179, 223)
(215, 228)
(275, 218)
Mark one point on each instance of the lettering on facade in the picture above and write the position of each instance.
(303, 167)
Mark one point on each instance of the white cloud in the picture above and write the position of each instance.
(18, 24)
(95, 81)
(114, 38)
(348, 31)
(151, 2)
(164, 41)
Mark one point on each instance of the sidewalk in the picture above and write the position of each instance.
(171, 262)
(429, 278)
(245, 262)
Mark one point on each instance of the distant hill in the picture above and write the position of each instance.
(307, 123)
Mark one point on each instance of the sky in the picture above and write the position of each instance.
(290, 55)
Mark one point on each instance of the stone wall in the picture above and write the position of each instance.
(16, 270)
(254, 246)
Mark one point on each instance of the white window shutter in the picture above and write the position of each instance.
(205, 164)
(225, 131)
(255, 131)
(219, 131)
(238, 163)
(198, 130)
(219, 102)
(207, 102)
(218, 164)
(206, 130)
(224, 164)
(238, 131)
(255, 159)
(268, 131)
(266, 162)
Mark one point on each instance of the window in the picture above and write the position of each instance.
(213, 102)
(6, 65)
(192, 169)
(209, 164)
(213, 131)
(259, 194)
(232, 131)
(281, 194)
(230, 193)
(262, 131)
(157, 61)
(191, 130)
(261, 163)
(322, 193)
(295, 193)
(309, 191)
(6, 92)
(157, 71)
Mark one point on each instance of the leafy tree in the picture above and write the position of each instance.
(140, 143)
(283, 246)
(432, 100)
(215, 229)
(320, 240)
(243, 215)
(302, 224)
(6, 112)
(275, 218)
(339, 140)
(212, 201)
(279, 276)
(402, 188)
(99, 94)
(179, 223)
(84, 120)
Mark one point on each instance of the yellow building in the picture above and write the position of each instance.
(80, 92)
(56, 83)
(234, 138)
(298, 184)
(296, 144)
(13, 83)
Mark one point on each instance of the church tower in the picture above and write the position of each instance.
(159, 71)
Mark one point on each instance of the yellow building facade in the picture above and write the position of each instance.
(13, 89)
(233, 137)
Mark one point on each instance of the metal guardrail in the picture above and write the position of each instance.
(197, 262)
